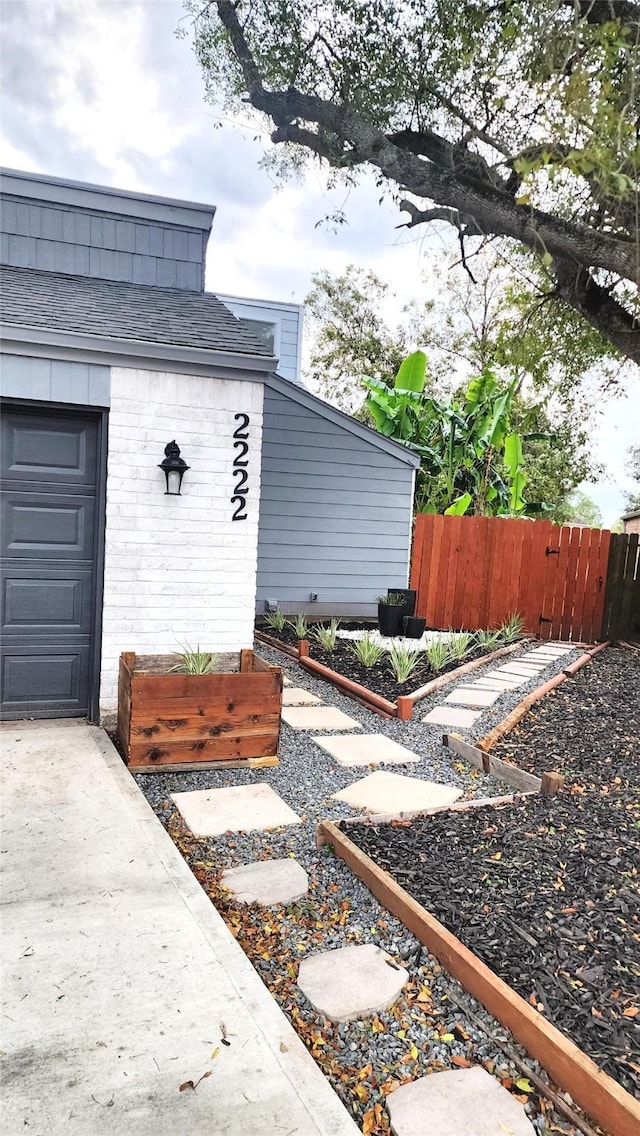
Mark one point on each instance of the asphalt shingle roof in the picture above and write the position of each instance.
(90, 306)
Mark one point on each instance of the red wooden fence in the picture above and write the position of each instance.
(475, 572)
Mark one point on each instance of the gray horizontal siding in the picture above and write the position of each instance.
(49, 380)
(335, 514)
(84, 243)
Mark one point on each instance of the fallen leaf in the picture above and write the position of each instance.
(631, 1012)
(284, 1048)
(461, 1062)
(525, 1085)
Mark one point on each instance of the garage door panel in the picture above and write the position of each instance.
(48, 526)
(48, 450)
(45, 680)
(49, 468)
(44, 604)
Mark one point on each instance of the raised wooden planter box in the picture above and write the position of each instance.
(180, 722)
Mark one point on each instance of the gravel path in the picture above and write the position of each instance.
(427, 1029)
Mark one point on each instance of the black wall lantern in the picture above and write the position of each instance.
(174, 468)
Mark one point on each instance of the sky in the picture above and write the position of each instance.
(104, 91)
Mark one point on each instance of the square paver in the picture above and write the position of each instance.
(296, 696)
(383, 792)
(529, 661)
(238, 808)
(475, 696)
(512, 680)
(493, 684)
(458, 1102)
(318, 718)
(554, 648)
(451, 716)
(365, 749)
(519, 670)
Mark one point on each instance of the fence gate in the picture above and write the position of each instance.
(474, 572)
(622, 596)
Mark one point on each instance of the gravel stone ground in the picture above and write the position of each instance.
(430, 1027)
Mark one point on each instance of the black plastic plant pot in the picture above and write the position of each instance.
(414, 627)
(409, 595)
(390, 619)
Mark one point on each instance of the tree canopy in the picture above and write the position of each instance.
(516, 119)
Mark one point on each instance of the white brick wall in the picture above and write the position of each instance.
(178, 570)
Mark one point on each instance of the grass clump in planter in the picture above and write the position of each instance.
(194, 662)
(327, 634)
(392, 599)
(512, 628)
(367, 651)
(403, 662)
(276, 620)
(459, 645)
(300, 625)
(437, 654)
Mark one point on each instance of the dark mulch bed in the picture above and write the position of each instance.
(379, 678)
(547, 892)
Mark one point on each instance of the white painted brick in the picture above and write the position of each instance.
(177, 570)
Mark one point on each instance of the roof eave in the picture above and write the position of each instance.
(17, 338)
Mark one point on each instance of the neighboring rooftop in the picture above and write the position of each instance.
(108, 309)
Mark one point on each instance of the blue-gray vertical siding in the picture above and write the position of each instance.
(335, 514)
(84, 242)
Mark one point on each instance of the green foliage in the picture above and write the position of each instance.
(367, 650)
(300, 625)
(488, 640)
(438, 654)
(459, 645)
(391, 599)
(512, 629)
(276, 620)
(518, 120)
(327, 634)
(194, 662)
(583, 511)
(403, 661)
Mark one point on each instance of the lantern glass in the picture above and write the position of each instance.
(174, 481)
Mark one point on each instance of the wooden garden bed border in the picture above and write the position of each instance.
(576, 1073)
(549, 784)
(507, 724)
(402, 708)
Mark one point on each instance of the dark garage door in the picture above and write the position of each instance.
(49, 467)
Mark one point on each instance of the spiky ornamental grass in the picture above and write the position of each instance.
(194, 662)
(403, 662)
(300, 625)
(437, 654)
(512, 628)
(459, 645)
(327, 634)
(367, 650)
(276, 620)
(488, 639)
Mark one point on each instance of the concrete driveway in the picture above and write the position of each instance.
(118, 973)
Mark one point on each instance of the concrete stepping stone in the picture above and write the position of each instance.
(267, 882)
(493, 684)
(457, 1102)
(553, 649)
(473, 696)
(384, 792)
(318, 718)
(296, 696)
(527, 661)
(365, 749)
(351, 982)
(451, 716)
(513, 680)
(286, 681)
(519, 670)
(237, 808)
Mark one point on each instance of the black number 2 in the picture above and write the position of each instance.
(240, 462)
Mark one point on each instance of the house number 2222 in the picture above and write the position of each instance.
(240, 463)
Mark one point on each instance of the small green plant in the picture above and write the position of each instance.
(487, 639)
(367, 650)
(459, 644)
(300, 625)
(276, 620)
(392, 599)
(438, 654)
(327, 634)
(194, 662)
(403, 662)
(512, 629)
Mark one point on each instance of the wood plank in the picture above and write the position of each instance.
(593, 580)
(464, 575)
(417, 554)
(195, 766)
(488, 571)
(519, 778)
(595, 1092)
(478, 575)
(571, 585)
(598, 607)
(512, 585)
(551, 552)
(173, 693)
(438, 575)
(536, 576)
(613, 589)
(262, 667)
(523, 594)
(629, 608)
(582, 573)
(143, 753)
(431, 565)
(560, 581)
(192, 729)
(452, 568)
